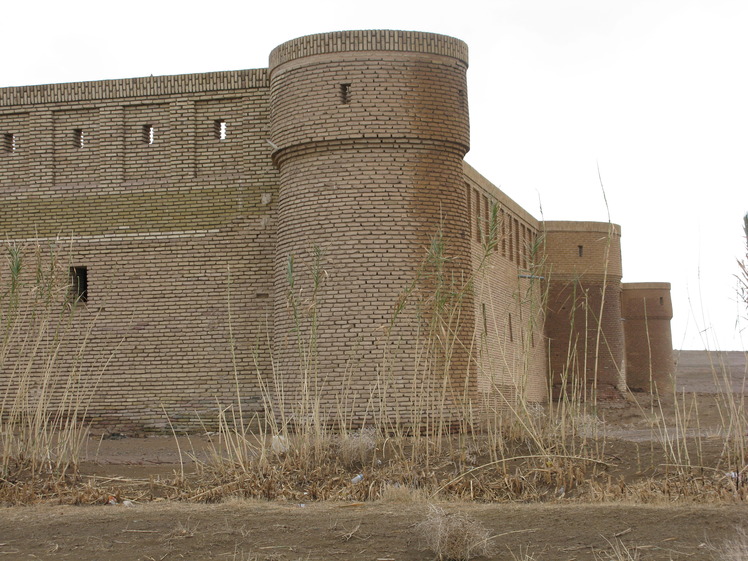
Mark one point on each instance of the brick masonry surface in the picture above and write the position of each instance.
(305, 239)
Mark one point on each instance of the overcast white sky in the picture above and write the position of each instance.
(654, 92)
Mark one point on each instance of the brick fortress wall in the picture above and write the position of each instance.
(647, 311)
(582, 263)
(320, 207)
(509, 341)
(131, 180)
(371, 128)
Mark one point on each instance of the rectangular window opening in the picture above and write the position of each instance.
(510, 232)
(503, 233)
(78, 138)
(511, 332)
(485, 320)
(486, 220)
(9, 142)
(662, 301)
(477, 216)
(78, 284)
(345, 93)
(517, 248)
(220, 127)
(149, 134)
(580, 250)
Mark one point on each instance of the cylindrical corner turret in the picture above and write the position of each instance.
(647, 311)
(369, 130)
(583, 323)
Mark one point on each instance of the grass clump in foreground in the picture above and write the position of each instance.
(45, 399)
(454, 536)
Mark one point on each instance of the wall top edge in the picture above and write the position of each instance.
(473, 175)
(134, 87)
(645, 286)
(574, 226)
(369, 40)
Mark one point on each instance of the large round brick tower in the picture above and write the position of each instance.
(583, 322)
(369, 131)
(647, 311)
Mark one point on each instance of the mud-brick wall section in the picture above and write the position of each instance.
(163, 193)
(371, 128)
(582, 264)
(647, 311)
(509, 339)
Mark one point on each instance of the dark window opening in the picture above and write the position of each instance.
(477, 216)
(345, 93)
(503, 233)
(220, 128)
(9, 142)
(510, 234)
(485, 320)
(511, 333)
(78, 139)
(580, 250)
(662, 301)
(149, 134)
(79, 284)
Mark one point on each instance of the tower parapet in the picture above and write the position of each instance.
(647, 311)
(583, 321)
(369, 130)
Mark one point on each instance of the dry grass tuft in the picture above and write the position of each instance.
(403, 494)
(454, 536)
(357, 448)
(735, 549)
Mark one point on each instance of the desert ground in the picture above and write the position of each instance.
(146, 522)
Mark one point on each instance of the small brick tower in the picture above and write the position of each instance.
(647, 311)
(369, 131)
(583, 322)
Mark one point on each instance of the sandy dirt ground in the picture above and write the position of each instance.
(248, 530)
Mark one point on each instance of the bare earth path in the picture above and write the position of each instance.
(375, 531)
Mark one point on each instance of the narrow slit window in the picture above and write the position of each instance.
(485, 320)
(79, 284)
(486, 221)
(9, 142)
(345, 93)
(511, 332)
(503, 233)
(220, 128)
(149, 134)
(662, 301)
(517, 248)
(510, 232)
(79, 140)
(580, 250)
(477, 216)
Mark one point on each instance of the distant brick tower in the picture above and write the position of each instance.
(369, 131)
(647, 311)
(583, 322)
